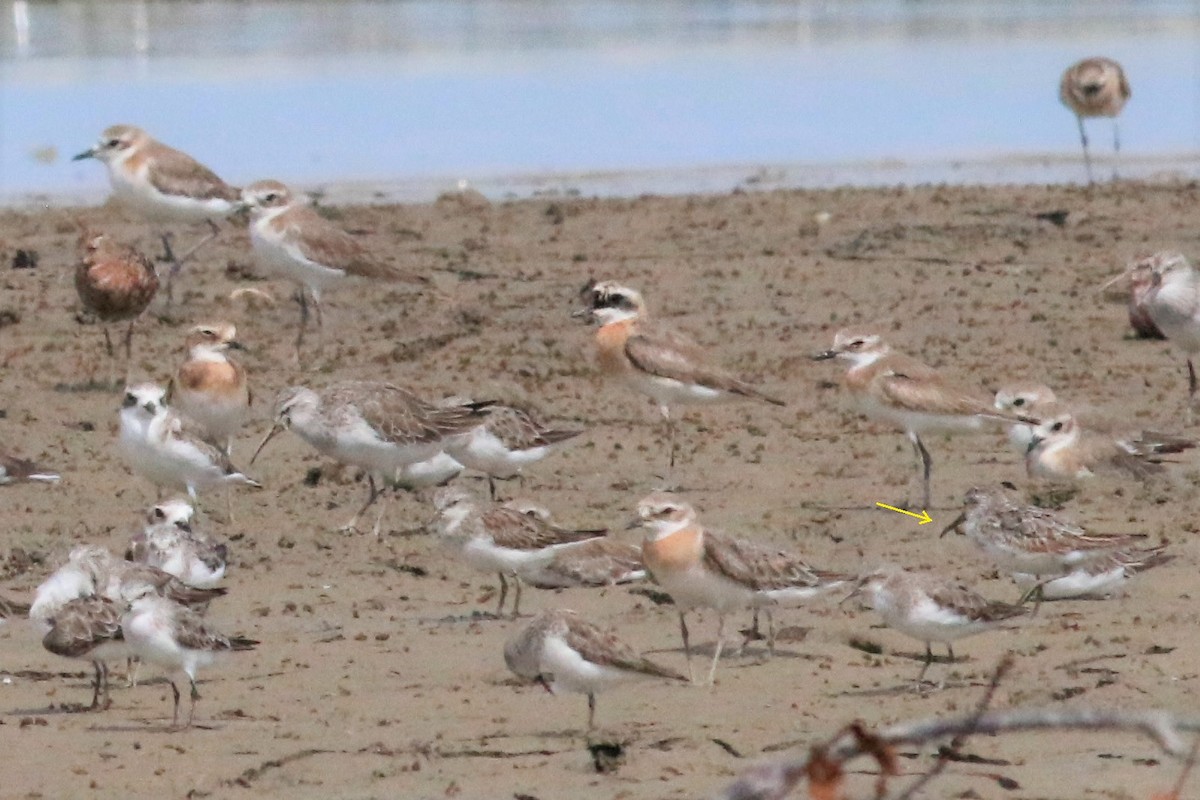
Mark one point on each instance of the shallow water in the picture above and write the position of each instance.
(408, 99)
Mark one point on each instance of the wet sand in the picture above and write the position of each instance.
(378, 676)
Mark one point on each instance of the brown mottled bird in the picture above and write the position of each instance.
(18, 470)
(115, 282)
(1095, 87)
(293, 241)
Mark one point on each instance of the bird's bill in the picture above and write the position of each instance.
(276, 428)
(633, 524)
(584, 315)
(824, 355)
(89, 153)
(1114, 281)
(855, 594)
(1033, 443)
(234, 344)
(955, 526)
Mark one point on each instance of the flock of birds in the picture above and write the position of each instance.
(149, 605)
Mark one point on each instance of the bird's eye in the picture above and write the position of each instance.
(158, 514)
(270, 197)
(1056, 427)
(130, 400)
(112, 143)
(857, 343)
(1020, 401)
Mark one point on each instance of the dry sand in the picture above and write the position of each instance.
(377, 678)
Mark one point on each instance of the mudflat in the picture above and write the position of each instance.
(380, 672)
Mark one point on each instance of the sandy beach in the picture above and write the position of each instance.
(380, 673)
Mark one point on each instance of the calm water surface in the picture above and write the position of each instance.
(410, 98)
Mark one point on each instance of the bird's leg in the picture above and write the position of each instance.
(302, 299)
(108, 345)
(373, 493)
(1191, 389)
(106, 703)
(687, 648)
(168, 253)
(950, 652)
(492, 488)
(925, 465)
(195, 697)
(129, 346)
(712, 671)
(770, 632)
(1087, 159)
(517, 599)
(131, 672)
(503, 594)
(175, 713)
(1116, 148)
(666, 414)
(213, 233)
(591, 711)
(95, 687)
(928, 661)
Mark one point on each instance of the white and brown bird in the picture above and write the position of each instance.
(14, 469)
(506, 440)
(1020, 538)
(1095, 87)
(163, 185)
(1172, 300)
(116, 283)
(901, 391)
(1099, 578)
(653, 359)
(603, 561)
(167, 449)
(161, 632)
(170, 542)
(210, 386)
(566, 653)
(1143, 285)
(499, 539)
(700, 568)
(89, 628)
(292, 241)
(1034, 401)
(380, 428)
(930, 608)
(1061, 450)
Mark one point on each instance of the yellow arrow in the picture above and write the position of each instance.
(923, 516)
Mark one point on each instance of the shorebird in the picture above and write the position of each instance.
(1095, 87)
(603, 561)
(165, 448)
(1098, 579)
(163, 185)
(1173, 303)
(507, 440)
(930, 608)
(654, 360)
(293, 241)
(564, 652)
(894, 388)
(702, 569)
(1142, 286)
(116, 283)
(499, 539)
(1020, 538)
(171, 636)
(89, 628)
(1032, 400)
(169, 543)
(210, 386)
(19, 470)
(1060, 450)
(377, 427)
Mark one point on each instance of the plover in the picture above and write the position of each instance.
(293, 241)
(1021, 538)
(377, 427)
(930, 608)
(116, 283)
(163, 185)
(1095, 87)
(1173, 303)
(170, 543)
(89, 628)
(1060, 450)
(1032, 400)
(499, 539)
(564, 652)
(177, 639)
(210, 386)
(901, 391)
(1098, 579)
(507, 440)
(654, 360)
(166, 448)
(703, 569)
(21, 470)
